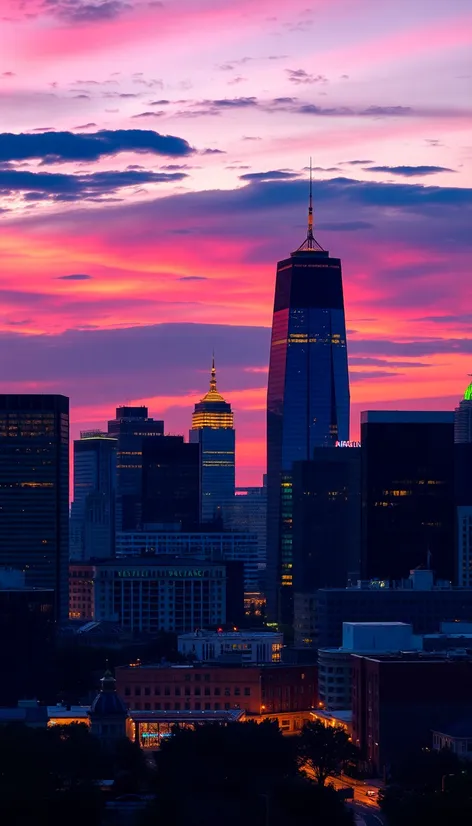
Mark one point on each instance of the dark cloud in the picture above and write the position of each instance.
(368, 361)
(156, 114)
(86, 126)
(387, 110)
(61, 147)
(74, 187)
(159, 102)
(356, 163)
(213, 152)
(410, 349)
(193, 278)
(274, 175)
(300, 76)
(409, 171)
(74, 277)
(80, 12)
(362, 375)
(344, 226)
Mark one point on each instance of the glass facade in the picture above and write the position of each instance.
(92, 523)
(308, 395)
(34, 491)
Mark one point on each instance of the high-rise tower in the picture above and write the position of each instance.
(92, 522)
(308, 393)
(463, 418)
(212, 428)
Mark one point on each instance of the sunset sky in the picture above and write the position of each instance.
(153, 169)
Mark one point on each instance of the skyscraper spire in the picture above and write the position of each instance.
(310, 243)
(213, 375)
(310, 210)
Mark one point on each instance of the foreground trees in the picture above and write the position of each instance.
(240, 773)
(324, 750)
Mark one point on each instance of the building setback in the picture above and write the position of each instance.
(307, 397)
(407, 493)
(34, 491)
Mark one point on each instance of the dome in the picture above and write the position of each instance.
(108, 703)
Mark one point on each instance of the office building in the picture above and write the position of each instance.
(34, 491)
(92, 522)
(260, 690)
(213, 430)
(129, 428)
(463, 418)
(170, 483)
(214, 546)
(146, 596)
(27, 631)
(456, 737)
(247, 511)
(335, 664)
(326, 519)
(407, 493)
(233, 646)
(464, 545)
(319, 616)
(399, 700)
(81, 591)
(307, 397)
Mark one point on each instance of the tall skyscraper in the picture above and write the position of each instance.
(131, 425)
(407, 489)
(92, 523)
(34, 492)
(171, 483)
(463, 418)
(213, 430)
(308, 393)
(247, 511)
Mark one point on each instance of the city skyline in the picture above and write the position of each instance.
(128, 256)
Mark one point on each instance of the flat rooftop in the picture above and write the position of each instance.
(407, 417)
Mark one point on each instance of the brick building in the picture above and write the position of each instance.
(398, 700)
(81, 591)
(258, 690)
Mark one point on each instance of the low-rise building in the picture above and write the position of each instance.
(319, 616)
(457, 737)
(245, 646)
(335, 664)
(259, 690)
(399, 699)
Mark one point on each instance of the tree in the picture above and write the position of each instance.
(324, 749)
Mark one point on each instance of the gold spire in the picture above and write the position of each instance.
(310, 209)
(213, 376)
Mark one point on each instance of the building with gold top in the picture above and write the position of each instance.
(213, 429)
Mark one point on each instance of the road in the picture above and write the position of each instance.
(365, 816)
(360, 787)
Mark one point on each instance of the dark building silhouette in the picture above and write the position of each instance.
(34, 491)
(92, 523)
(27, 630)
(407, 493)
(131, 425)
(308, 393)
(171, 482)
(326, 519)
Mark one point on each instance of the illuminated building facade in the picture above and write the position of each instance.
(213, 430)
(308, 393)
(164, 594)
(34, 491)
(247, 511)
(170, 483)
(243, 646)
(92, 522)
(129, 427)
(407, 460)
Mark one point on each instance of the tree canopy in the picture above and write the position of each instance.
(325, 749)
